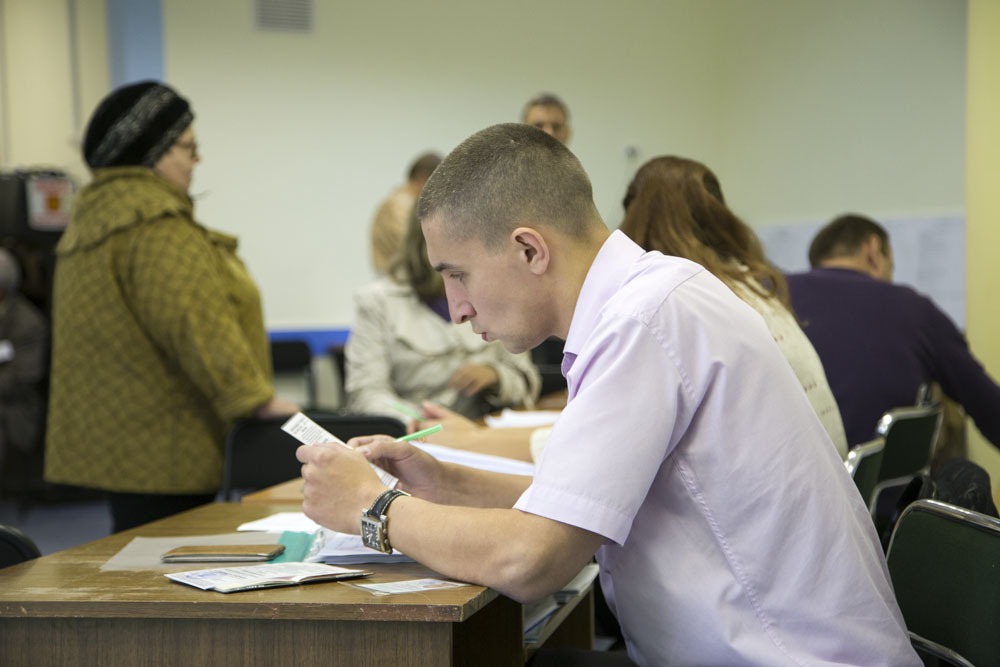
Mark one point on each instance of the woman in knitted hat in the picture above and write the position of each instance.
(158, 335)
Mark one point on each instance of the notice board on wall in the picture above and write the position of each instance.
(928, 252)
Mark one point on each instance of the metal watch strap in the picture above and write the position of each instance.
(381, 504)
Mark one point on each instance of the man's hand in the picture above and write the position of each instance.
(458, 429)
(419, 473)
(339, 484)
(471, 379)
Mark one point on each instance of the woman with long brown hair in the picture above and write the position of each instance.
(675, 205)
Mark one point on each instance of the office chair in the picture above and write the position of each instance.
(864, 463)
(15, 546)
(548, 357)
(944, 562)
(910, 434)
(292, 359)
(339, 356)
(259, 454)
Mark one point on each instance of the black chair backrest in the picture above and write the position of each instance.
(289, 356)
(15, 546)
(945, 567)
(910, 434)
(339, 356)
(259, 454)
(864, 462)
(293, 358)
(548, 356)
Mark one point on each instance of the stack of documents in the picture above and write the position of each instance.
(537, 614)
(342, 549)
(327, 546)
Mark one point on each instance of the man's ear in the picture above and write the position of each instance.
(532, 249)
(872, 251)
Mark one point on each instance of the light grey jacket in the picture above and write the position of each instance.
(401, 350)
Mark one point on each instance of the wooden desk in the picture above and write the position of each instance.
(62, 609)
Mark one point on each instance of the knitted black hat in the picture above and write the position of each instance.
(135, 125)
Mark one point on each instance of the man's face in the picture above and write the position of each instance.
(490, 289)
(550, 120)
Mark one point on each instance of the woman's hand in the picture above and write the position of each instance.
(471, 379)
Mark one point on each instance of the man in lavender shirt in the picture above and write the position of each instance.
(879, 341)
(688, 458)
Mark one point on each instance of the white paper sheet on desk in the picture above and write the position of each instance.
(477, 460)
(293, 521)
(519, 418)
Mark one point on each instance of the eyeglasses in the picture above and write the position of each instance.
(190, 146)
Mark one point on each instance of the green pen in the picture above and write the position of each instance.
(420, 434)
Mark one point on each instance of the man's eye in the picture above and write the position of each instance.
(457, 276)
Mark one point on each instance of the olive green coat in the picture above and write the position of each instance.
(158, 341)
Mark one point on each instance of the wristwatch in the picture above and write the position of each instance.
(375, 524)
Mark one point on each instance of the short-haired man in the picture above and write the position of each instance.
(687, 457)
(549, 114)
(879, 341)
(389, 224)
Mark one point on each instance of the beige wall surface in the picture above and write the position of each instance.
(844, 106)
(53, 71)
(982, 228)
(803, 107)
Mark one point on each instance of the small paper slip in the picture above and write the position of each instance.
(309, 432)
(251, 577)
(409, 586)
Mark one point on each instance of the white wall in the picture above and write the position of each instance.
(53, 71)
(803, 107)
(844, 106)
(303, 134)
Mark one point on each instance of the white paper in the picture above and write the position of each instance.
(410, 586)
(521, 418)
(477, 460)
(308, 432)
(282, 521)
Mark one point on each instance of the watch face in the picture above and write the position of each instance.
(372, 534)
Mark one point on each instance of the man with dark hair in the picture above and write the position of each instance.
(850, 239)
(549, 114)
(389, 224)
(878, 341)
(671, 461)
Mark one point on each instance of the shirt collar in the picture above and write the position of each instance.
(608, 271)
